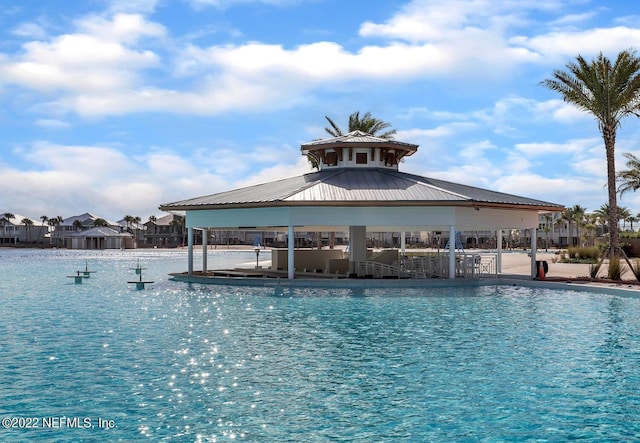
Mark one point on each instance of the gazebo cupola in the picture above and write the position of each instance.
(357, 149)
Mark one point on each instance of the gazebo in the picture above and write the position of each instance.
(358, 187)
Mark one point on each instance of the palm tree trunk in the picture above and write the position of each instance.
(609, 136)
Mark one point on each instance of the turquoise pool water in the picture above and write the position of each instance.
(102, 361)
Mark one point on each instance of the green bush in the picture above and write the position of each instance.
(581, 254)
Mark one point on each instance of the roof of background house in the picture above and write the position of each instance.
(165, 220)
(17, 219)
(83, 218)
(100, 231)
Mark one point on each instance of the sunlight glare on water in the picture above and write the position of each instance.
(187, 362)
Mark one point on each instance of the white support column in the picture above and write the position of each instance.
(452, 252)
(205, 239)
(190, 250)
(499, 249)
(290, 252)
(403, 242)
(534, 248)
(357, 246)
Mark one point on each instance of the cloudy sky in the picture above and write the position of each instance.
(116, 106)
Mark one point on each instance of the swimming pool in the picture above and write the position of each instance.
(180, 362)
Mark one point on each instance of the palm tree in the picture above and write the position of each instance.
(137, 221)
(153, 219)
(609, 92)
(579, 219)
(546, 229)
(28, 223)
(3, 223)
(178, 222)
(603, 216)
(367, 124)
(100, 222)
(624, 214)
(7, 216)
(129, 220)
(629, 179)
(560, 223)
(590, 227)
(54, 222)
(44, 219)
(573, 215)
(77, 225)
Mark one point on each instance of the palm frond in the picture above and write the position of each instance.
(334, 130)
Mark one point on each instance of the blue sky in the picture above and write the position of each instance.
(116, 106)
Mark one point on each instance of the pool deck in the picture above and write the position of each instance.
(515, 271)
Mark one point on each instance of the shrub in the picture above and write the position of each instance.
(581, 254)
(615, 269)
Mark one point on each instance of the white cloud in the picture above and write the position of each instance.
(29, 30)
(537, 149)
(419, 136)
(121, 27)
(52, 123)
(81, 62)
(562, 44)
(100, 68)
(573, 18)
(565, 190)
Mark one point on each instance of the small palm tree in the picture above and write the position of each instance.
(44, 219)
(100, 222)
(624, 214)
(546, 229)
(574, 215)
(153, 219)
(590, 226)
(28, 223)
(609, 91)
(129, 220)
(579, 214)
(137, 221)
(602, 213)
(367, 123)
(7, 216)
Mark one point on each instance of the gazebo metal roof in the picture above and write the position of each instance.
(358, 138)
(359, 187)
